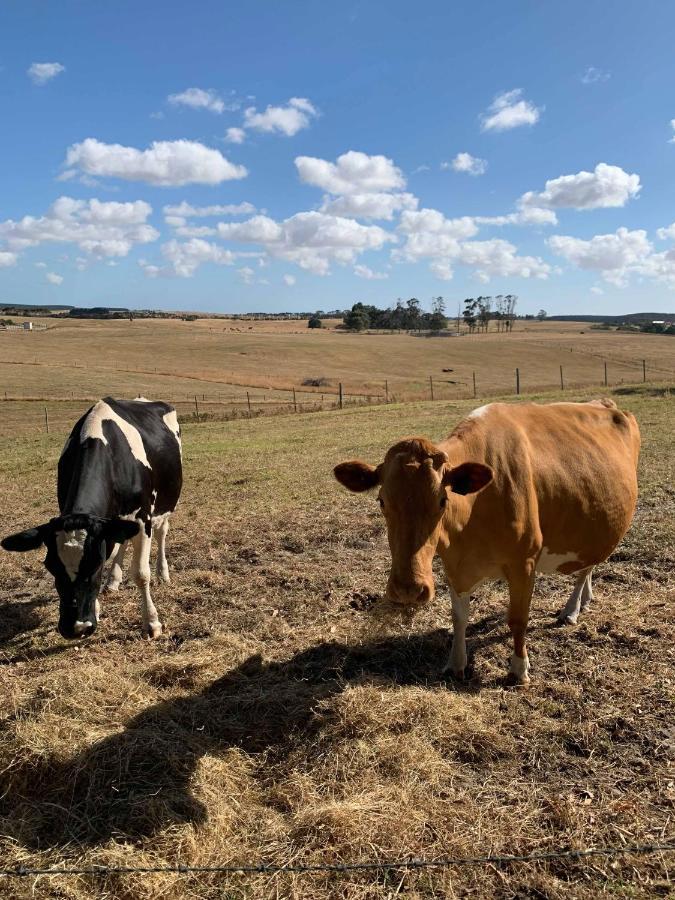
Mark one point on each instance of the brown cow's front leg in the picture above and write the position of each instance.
(521, 584)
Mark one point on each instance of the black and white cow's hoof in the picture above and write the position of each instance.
(153, 630)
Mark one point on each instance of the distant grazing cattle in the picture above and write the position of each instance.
(514, 489)
(119, 479)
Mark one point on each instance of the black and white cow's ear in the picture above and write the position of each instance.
(120, 530)
(30, 539)
(468, 478)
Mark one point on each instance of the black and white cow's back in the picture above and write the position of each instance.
(123, 458)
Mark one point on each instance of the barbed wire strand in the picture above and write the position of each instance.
(365, 866)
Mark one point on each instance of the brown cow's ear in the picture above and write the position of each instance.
(357, 476)
(468, 478)
(439, 459)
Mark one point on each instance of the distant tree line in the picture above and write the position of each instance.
(478, 312)
(408, 316)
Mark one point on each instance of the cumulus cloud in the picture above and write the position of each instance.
(164, 163)
(606, 186)
(672, 125)
(352, 173)
(287, 120)
(184, 258)
(53, 278)
(198, 98)
(510, 110)
(103, 229)
(668, 233)
(187, 211)
(370, 206)
(7, 259)
(592, 75)
(41, 73)
(311, 240)
(465, 162)
(597, 290)
(246, 274)
(444, 242)
(524, 215)
(289, 280)
(615, 255)
(235, 135)
(367, 272)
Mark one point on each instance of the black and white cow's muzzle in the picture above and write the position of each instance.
(77, 611)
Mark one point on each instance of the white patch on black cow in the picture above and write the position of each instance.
(70, 547)
(93, 428)
(171, 422)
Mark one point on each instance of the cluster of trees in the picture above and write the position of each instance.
(407, 316)
(480, 311)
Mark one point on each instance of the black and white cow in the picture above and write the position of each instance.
(119, 479)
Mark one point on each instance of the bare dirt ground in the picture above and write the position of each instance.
(278, 720)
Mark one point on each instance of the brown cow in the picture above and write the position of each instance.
(514, 490)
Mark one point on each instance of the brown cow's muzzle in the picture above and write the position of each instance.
(411, 594)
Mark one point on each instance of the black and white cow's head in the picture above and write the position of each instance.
(77, 548)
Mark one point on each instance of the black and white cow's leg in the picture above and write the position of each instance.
(579, 599)
(162, 567)
(116, 574)
(456, 662)
(140, 572)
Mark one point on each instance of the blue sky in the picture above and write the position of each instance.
(298, 156)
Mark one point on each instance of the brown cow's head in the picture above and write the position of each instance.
(416, 489)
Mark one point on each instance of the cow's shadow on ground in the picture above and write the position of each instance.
(21, 615)
(137, 782)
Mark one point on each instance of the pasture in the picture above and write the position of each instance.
(220, 360)
(278, 720)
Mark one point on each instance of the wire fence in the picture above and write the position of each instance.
(410, 863)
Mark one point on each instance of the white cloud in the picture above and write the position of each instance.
(366, 272)
(370, 206)
(184, 258)
(7, 259)
(287, 120)
(606, 186)
(311, 240)
(187, 211)
(235, 135)
(246, 274)
(423, 168)
(289, 280)
(668, 233)
(352, 173)
(593, 75)
(672, 125)
(465, 162)
(103, 229)
(615, 256)
(197, 98)
(190, 231)
(41, 73)
(164, 163)
(509, 110)
(53, 278)
(532, 215)
(429, 235)
(597, 290)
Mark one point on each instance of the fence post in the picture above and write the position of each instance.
(386, 392)
(431, 386)
(605, 374)
(644, 369)
(562, 383)
(295, 404)
(517, 381)
(474, 385)
(340, 395)
(46, 420)
(196, 408)
(248, 401)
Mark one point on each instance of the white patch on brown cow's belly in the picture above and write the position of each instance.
(548, 562)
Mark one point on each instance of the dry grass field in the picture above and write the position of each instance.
(218, 360)
(278, 720)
